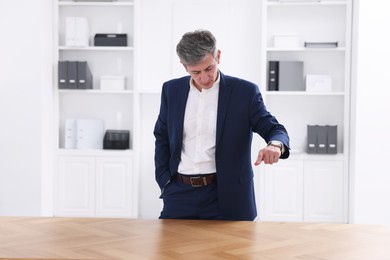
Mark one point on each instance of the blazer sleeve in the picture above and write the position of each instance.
(162, 151)
(265, 124)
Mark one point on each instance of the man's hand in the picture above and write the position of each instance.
(269, 155)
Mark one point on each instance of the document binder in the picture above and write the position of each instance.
(273, 75)
(72, 74)
(332, 139)
(76, 32)
(312, 139)
(84, 76)
(322, 139)
(62, 74)
(70, 134)
(90, 133)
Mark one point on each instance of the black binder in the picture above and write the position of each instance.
(84, 76)
(62, 74)
(72, 74)
(273, 75)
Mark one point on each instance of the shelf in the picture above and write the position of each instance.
(104, 4)
(302, 93)
(94, 91)
(307, 3)
(94, 152)
(95, 48)
(320, 157)
(271, 49)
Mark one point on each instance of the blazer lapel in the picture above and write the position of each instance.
(223, 101)
(181, 101)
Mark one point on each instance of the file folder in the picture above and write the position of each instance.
(84, 76)
(62, 74)
(332, 139)
(72, 74)
(273, 75)
(311, 139)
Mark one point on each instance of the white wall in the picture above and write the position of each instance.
(25, 72)
(370, 167)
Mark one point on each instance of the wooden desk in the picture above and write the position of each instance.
(81, 238)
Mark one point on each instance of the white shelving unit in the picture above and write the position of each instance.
(308, 187)
(97, 183)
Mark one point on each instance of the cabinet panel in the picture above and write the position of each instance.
(75, 186)
(95, 186)
(283, 191)
(113, 187)
(323, 189)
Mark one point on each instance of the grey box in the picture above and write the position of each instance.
(291, 76)
(332, 139)
(110, 39)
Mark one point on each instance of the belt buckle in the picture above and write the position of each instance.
(196, 178)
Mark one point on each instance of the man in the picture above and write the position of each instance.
(204, 134)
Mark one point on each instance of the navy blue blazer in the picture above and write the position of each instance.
(241, 111)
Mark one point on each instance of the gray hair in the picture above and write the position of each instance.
(195, 46)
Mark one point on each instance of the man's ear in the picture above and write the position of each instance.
(218, 56)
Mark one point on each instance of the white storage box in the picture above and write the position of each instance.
(318, 83)
(112, 83)
(286, 41)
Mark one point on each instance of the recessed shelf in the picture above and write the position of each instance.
(94, 152)
(94, 91)
(306, 3)
(272, 49)
(302, 93)
(321, 157)
(104, 4)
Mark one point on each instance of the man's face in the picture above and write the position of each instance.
(205, 73)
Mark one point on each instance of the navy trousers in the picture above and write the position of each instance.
(182, 201)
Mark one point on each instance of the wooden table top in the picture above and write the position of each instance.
(93, 238)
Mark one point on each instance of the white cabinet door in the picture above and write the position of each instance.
(323, 189)
(283, 192)
(113, 187)
(76, 177)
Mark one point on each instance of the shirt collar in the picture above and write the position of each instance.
(215, 85)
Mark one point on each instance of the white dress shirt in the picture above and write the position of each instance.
(199, 131)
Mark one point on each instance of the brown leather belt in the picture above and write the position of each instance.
(197, 180)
